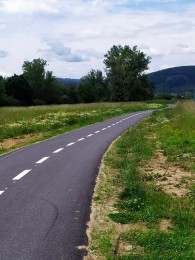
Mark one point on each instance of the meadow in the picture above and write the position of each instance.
(42, 122)
(143, 207)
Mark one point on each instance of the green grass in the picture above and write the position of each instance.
(141, 200)
(162, 245)
(52, 120)
(104, 243)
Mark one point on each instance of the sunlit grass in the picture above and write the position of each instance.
(12, 114)
(19, 121)
(141, 200)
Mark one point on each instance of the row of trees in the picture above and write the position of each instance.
(124, 81)
(35, 86)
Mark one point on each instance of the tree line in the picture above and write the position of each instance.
(125, 80)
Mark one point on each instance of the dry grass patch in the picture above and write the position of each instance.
(103, 203)
(19, 141)
(167, 175)
(166, 225)
(123, 248)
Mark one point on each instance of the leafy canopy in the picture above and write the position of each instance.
(125, 72)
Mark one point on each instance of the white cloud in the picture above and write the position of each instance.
(74, 35)
(28, 6)
(58, 51)
(182, 49)
(5, 74)
(151, 51)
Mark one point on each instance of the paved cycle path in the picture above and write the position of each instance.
(46, 191)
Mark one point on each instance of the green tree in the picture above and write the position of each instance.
(2, 92)
(52, 91)
(18, 89)
(93, 87)
(125, 73)
(35, 73)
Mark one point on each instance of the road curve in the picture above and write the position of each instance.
(46, 190)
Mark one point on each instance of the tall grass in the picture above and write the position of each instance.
(141, 201)
(184, 115)
(57, 119)
(13, 114)
(178, 135)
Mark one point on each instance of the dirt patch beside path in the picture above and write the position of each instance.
(19, 141)
(168, 176)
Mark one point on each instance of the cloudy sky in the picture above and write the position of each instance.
(74, 35)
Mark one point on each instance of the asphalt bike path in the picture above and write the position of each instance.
(46, 191)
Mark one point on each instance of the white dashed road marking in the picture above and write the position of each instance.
(81, 139)
(89, 135)
(42, 160)
(59, 150)
(22, 174)
(70, 144)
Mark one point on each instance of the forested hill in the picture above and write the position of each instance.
(68, 80)
(174, 80)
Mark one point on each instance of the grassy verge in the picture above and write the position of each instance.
(143, 207)
(38, 123)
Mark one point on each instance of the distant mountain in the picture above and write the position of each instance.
(68, 80)
(174, 80)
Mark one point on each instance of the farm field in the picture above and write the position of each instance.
(143, 206)
(20, 126)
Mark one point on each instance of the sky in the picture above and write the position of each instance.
(74, 35)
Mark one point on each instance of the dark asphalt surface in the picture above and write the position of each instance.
(45, 206)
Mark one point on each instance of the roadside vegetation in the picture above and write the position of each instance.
(143, 206)
(125, 80)
(20, 126)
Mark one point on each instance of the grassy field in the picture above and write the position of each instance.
(19, 125)
(143, 207)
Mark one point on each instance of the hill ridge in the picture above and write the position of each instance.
(180, 79)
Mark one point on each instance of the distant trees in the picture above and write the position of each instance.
(124, 81)
(45, 89)
(124, 69)
(93, 87)
(3, 96)
(35, 86)
(17, 88)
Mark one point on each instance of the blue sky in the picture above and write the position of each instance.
(74, 35)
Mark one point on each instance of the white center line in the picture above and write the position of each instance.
(70, 144)
(81, 139)
(1, 192)
(89, 135)
(109, 126)
(97, 132)
(42, 160)
(103, 129)
(113, 124)
(22, 174)
(59, 150)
